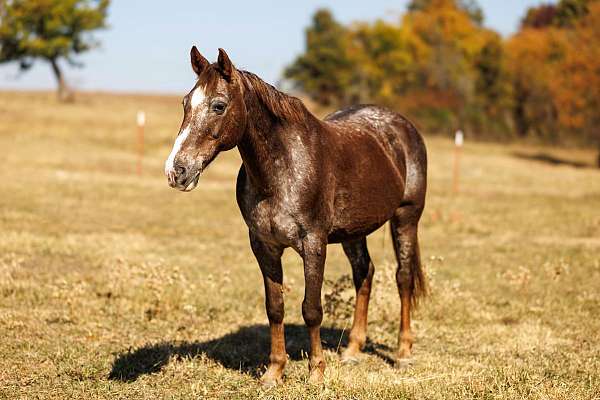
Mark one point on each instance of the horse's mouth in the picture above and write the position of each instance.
(191, 183)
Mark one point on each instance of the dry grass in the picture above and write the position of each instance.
(115, 286)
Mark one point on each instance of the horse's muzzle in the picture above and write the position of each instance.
(183, 179)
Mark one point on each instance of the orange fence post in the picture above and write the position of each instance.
(458, 144)
(141, 122)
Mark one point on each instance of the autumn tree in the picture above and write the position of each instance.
(54, 31)
(440, 66)
(385, 62)
(471, 7)
(436, 64)
(564, 14)
(493, 89)
(576, 84)
(446, 42)
(324, 71)
(533, 56)
(539, 17)
(568, 12)
(554, 64)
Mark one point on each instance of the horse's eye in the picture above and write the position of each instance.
(218, 107)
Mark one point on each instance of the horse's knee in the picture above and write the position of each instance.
(403, 277)
(274, 305)
(312, 313)
(275, 313)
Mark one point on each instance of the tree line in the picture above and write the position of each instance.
(442, 67)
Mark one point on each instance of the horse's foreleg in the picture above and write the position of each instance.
(362, 274)
(269, 260)
(313, 253)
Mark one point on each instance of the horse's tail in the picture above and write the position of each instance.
(410, 276)
(404, 224)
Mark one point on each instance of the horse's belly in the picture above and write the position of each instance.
(343, 234)
(361, 209)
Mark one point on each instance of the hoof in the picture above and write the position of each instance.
(350, 357)
(403, 363)
(316, 377)
(269, 383)
(352, 353)
(350, 360)
(271, 379)
(316, 371)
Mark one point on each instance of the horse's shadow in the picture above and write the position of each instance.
(550, 159)
(245, 350)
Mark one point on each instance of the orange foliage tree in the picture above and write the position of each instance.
(443, 68)
(576, 89)
(555, 68)
(533, 59)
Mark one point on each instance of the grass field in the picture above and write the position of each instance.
(116, 286)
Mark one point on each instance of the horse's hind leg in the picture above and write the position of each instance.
(362, 274)
(409, 275)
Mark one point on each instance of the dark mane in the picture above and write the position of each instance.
(282, 106)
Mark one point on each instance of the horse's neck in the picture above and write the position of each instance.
(265, 146)
(262, 153)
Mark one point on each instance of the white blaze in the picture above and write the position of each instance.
(197, 98)
(196, 101)
(170, 163)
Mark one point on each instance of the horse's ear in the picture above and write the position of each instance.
(225, 65)
(198, 61)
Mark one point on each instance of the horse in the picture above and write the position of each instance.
(305, 183)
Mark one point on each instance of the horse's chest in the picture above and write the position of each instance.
(273, 223)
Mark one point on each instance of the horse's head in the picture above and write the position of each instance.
(214, 119)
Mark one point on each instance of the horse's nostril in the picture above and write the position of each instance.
(179, 170)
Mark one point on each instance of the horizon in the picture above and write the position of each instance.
(152, 56)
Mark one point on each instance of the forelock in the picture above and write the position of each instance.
(209, 79)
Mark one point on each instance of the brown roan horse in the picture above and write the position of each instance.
(304, 183)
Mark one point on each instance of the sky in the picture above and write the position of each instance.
(146, 48)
